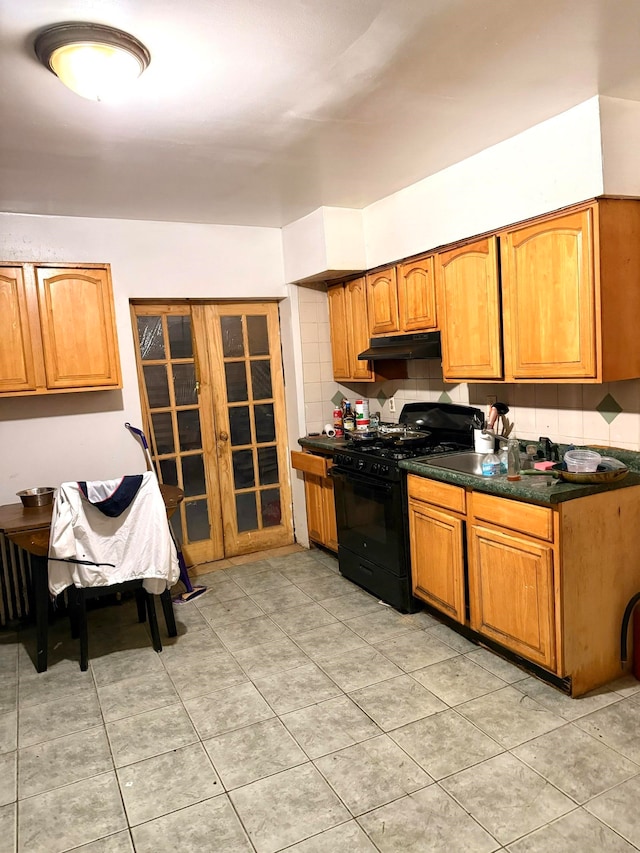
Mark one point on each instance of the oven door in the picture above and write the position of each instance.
(370, 519)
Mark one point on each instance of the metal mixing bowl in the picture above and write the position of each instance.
(40, 496)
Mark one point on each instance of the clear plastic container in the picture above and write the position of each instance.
(582, 461)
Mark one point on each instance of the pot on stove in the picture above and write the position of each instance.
(402, 436)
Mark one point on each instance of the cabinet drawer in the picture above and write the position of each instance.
(440, 494)
(309, 463)
(526, 518)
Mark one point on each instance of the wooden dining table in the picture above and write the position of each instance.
(28, 528)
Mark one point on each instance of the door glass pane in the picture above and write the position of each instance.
(243, 473)
(240, 425)
(184, 384)
(246, 512)
(261, 380)
(163, 432)
(232, 343)
(169, 472)
(258, 335)
(265, 424)
(193, 475)
(197, 520)
(189, 430)
(150, 338)
(180, 342)
(271, 514)
(155, 380)
(268, 465)
(236, 376)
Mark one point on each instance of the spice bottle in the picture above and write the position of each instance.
(337, 422)
(348, 419)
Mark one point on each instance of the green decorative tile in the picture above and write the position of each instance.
(444, 398)
(337, 398)
(381, 397)
(609, 408)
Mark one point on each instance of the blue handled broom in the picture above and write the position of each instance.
(191, 591)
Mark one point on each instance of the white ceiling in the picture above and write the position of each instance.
(256, 112)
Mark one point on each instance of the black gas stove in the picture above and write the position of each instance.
(380, 460)
(370, 495)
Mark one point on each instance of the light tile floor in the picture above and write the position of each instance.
(295, 712)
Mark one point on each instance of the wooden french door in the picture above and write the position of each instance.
(213, 399)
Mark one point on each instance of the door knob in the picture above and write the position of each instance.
(223, 436)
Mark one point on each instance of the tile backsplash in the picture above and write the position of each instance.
(607, 414)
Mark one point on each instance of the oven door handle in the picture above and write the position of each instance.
(381, 485)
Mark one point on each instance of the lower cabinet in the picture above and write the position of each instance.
(318, 487)
(549, 583)
(511, 591)
(437, 546)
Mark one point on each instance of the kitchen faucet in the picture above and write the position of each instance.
(491, 434)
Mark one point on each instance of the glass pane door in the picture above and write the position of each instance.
(179, 419)
(250, 426)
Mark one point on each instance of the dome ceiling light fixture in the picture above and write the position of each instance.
(93, 60)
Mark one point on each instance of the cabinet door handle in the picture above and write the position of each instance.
(223, 436)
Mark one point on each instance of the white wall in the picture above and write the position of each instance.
(551, 165)
(620, 146)
(330, 238)
(45, 441)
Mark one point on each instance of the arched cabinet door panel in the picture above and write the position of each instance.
(78, 327)
(17, 370)
(469, 311)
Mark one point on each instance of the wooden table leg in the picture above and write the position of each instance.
(40, 575)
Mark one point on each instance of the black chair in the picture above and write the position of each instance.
(78, 597)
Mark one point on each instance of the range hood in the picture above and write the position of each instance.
(422, 345)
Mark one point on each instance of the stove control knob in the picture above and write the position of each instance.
(361, 464)
(384, 469)
(375, 468)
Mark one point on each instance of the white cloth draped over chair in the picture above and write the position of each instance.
(110, 532)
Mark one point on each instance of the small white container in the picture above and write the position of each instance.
(483, 443)
(582, 461)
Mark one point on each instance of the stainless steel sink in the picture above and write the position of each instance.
(466, 462)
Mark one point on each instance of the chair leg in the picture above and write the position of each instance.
(83, 630)
(74, 617)
(153, 622)
(169, 615)
(141, 597)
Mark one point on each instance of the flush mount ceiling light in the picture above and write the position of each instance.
(95, 61)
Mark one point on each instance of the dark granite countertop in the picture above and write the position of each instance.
(531, 489)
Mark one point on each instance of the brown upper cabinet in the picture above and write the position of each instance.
(561, 307)
(571, 295)
(469, 311)
(402, 298)
(57, 329)
(349, 325)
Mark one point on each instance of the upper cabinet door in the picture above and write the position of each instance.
(469, 311)
(337, 297)
(549, 299)
(416, 296)
(78, 327)
(17, 372)
(382, 299)
(359, 332)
